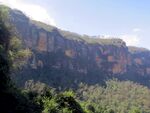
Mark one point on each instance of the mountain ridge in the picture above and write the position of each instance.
(62, 58)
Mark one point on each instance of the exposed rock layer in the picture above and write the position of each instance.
(54, 49)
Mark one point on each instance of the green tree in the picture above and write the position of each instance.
(135, 110)
(11, 99)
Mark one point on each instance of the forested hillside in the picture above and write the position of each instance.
(48, 70)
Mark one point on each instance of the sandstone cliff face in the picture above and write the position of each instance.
(56, 49)
(140, 60)
(110, 58)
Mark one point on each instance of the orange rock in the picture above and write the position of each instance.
(42, 43)
(117, 68)
(70, 53)
(138, 61)
(110, 58)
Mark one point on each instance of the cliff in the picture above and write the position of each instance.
(63, 58)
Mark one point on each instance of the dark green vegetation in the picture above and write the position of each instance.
(13, 100)
(114, 97)
(51, 89)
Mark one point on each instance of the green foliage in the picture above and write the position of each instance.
(4, 44)
(91, 40)
(11, 99)
(69, 93)
(9, 41)
(50, 105)
(18, 55)
(4, 29)
(67, 101)
(4, 13)
(43, 25)
(5, 83)
(15, 44)
(135, 110)
(117, 97)
(52, 101)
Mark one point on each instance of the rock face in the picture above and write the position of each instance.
(70, 58)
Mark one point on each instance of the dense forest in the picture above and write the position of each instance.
(114, 96)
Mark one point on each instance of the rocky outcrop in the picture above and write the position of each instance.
(54, 49)
(140, 60)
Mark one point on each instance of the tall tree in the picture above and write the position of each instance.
(12, 100)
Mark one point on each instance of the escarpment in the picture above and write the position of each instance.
(65, 58)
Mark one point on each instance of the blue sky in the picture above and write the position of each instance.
(126, 19)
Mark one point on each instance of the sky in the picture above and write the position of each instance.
(125, 19)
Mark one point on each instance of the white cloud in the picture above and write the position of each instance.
(36, 12)
(136, 30)
(131, 39)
